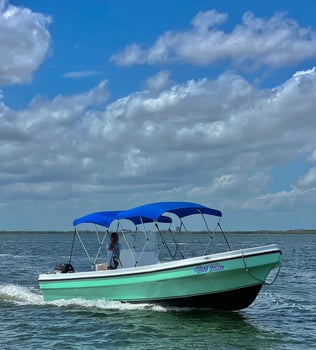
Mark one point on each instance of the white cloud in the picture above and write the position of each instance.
(204, 140)
(271, 201)
(308, 180)
(205, 20)
(276, 42)
(300, 195)
(284, 201)
(81, 74)
(158, 82)
(212, 141)
(312, 156)
(24, 43)
(46, 143)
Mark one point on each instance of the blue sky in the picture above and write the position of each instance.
(105, 105)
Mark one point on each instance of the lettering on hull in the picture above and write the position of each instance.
(208, 268)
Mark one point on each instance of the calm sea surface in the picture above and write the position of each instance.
(282, 317)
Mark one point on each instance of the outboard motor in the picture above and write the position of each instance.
(64, 268)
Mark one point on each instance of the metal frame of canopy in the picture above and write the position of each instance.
(153, 213)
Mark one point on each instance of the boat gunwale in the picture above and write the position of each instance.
(160, 267)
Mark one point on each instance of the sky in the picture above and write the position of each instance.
(110, 104)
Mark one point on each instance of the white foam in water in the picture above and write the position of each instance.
(28, 296)
(19, 294)
(106, 305)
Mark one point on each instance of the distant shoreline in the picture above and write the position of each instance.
(296, 231)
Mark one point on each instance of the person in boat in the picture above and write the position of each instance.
(113, 254)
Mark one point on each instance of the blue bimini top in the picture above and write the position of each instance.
(152, 212)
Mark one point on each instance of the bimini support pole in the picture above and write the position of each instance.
(120, 229)
(85, 249)
(72, 245)
(209, 232)
(163, 241)
(176, 243)
(219, 225)
(101, 243)
(147, 237)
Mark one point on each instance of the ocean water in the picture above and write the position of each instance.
(282, 317)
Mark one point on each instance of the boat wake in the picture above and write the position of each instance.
(20, 295)
(105, 305)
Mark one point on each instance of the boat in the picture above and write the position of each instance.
(153, 265)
